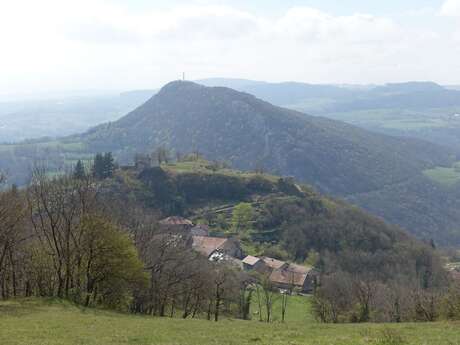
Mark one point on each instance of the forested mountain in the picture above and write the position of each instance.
(225, 124)
(335, 157)
(423, 110)
(414, 109)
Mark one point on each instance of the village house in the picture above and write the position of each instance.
(200, 230)
(210, 245)
(176, 224)
(274, 264)
(283, 275)
(219, 256)
(172, 239)
(293, 277)
(253, 263)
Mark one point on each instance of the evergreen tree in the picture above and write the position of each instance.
(109, 165)
(98, 166)
(79, 171)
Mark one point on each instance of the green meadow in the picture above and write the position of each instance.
(52, 322)
(445, 176)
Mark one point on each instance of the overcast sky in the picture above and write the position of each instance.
(59, 45)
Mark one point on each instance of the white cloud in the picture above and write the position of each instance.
(180, 23)
(99, 44)
(311, 24)
(451, 8)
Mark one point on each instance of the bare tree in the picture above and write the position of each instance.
(364, 289)
(56, 208)
(427, 304)
(333, 298)
(269, 296)
(12, 234)
(161, 155)
(245, 298)
(175, 271)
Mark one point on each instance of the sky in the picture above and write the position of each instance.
(64, 45)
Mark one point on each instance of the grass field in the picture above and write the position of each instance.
(65, 146)
(445, 176)
(37, 322)
(399, 119)
(205, 167)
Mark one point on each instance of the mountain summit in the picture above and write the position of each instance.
(223, 124)
(229, 125)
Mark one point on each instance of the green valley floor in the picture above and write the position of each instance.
(38, 322)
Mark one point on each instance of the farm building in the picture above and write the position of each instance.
(282, 275)
(274, 264)
(209, 245)
(176, 224)
(219, 256)
(254, 263)
(293, 277)
(200, 230)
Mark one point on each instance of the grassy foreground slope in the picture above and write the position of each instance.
(35, 322)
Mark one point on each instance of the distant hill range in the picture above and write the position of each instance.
(381, 173)
(330, 98)
(422, 110)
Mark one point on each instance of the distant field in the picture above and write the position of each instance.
(37, 322)
(445, 176)
(399, 119)
(66, 146)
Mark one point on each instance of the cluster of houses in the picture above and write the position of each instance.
(281, 274)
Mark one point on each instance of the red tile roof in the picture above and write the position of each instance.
(207, 245)
(250, 260)
(176, 220)
(288, 277)
(299, 268)
(273, 263)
